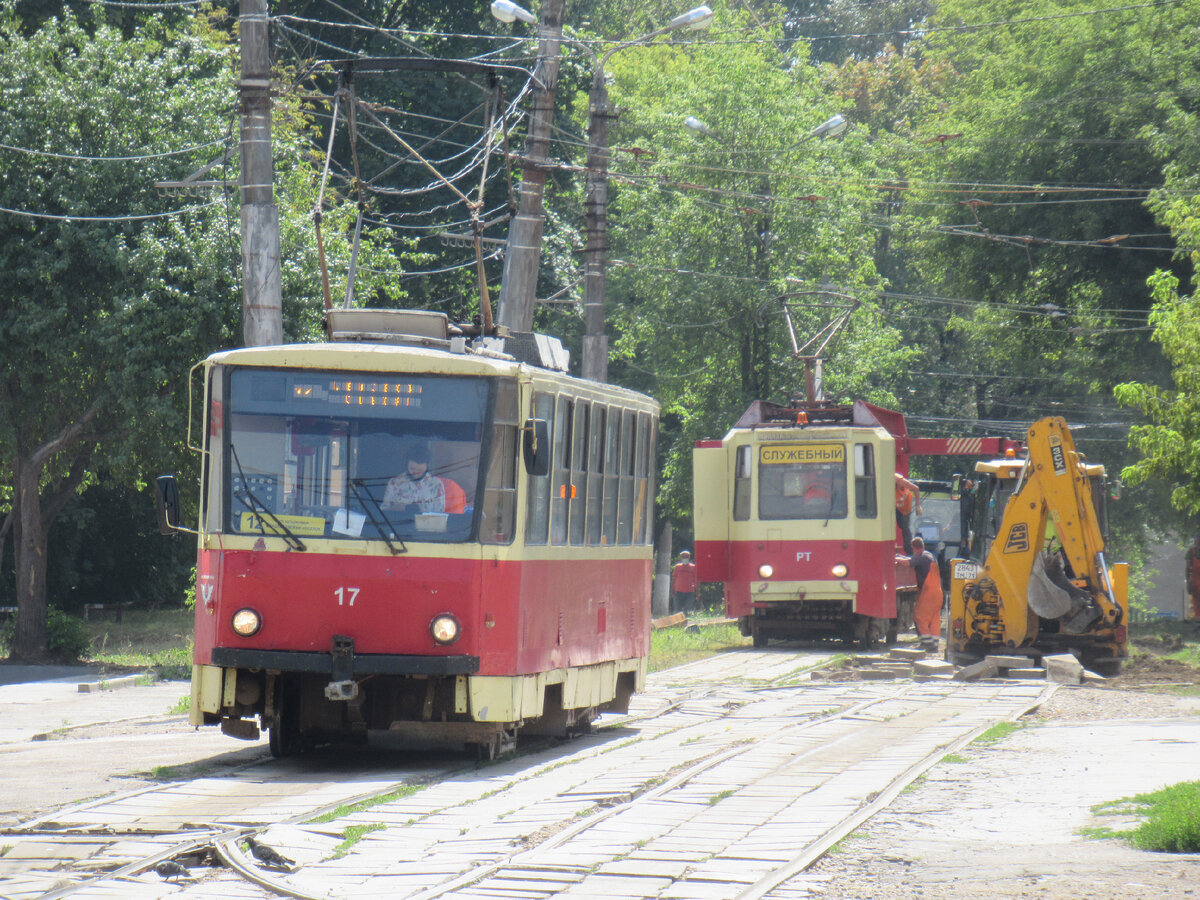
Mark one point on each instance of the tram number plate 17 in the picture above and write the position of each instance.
(965, 571)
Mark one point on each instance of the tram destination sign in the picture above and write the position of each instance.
(791, 454)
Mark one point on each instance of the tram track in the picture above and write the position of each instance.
(528, 862)
(99, 821)
(518, 820)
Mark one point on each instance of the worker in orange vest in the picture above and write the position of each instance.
(683, 583)
(908, 498)
(928, 613)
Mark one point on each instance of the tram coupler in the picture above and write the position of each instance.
(342, 685)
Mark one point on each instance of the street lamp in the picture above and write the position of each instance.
(832, 127)
(508, 12)
(595, 341)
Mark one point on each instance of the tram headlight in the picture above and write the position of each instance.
(766, 570)
(444, 629)
(840, 570)
(246, 622)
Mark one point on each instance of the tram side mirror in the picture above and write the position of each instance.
(535, 441)
(168, 504)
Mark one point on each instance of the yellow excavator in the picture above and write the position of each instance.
(1037, 581)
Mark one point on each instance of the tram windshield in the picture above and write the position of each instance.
(346, 455)
(802, 481)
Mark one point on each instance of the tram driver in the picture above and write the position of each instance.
(416, 490)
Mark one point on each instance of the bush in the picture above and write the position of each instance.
(1172, 821)
(67, 637)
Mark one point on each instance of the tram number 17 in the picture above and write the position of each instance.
(346, 595)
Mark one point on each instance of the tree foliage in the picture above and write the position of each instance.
(111, 290)
(717, 230)
(1170, 444)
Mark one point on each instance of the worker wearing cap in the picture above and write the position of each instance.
(683, 583)
(908, 498)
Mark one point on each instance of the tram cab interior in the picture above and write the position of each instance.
(326, 474)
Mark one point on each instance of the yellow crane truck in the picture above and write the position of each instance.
(1037, 581)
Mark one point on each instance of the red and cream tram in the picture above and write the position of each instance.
(794, 513)
(512, 592)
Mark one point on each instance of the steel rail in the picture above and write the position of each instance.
(819, 847)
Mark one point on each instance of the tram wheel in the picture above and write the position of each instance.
(284, 725)
(757, 635)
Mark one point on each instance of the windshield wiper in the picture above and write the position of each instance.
(265, 516)
(387, 531)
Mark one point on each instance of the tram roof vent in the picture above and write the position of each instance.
(390, 326)
(764, 412)
(534, 349)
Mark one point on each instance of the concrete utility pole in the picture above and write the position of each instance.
(595, 339)
(523, 253)
(262, 312)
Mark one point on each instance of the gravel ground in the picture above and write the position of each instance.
(954, 835)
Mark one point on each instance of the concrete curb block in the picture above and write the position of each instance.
(110, 684)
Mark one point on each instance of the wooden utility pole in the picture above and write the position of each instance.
(518, 290)
(262, 313)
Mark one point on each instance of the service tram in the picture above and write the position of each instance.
(325, 609)
(794, 513)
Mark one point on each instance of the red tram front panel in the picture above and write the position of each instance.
(802, 570)
(516, 617)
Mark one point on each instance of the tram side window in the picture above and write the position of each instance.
(742, 466)
(865, 504)
(612, 457)
(212, 461)
(643, 505)
(579, 460)
(561, 487)
(538, 523)
(500, 486)
(625, 488)
(651, 459)
(595, 476)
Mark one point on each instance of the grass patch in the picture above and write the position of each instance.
(172, 773)
(1171, 819)
(998, 733)
(158, 639)
(346, 809)
(353, 835)
(182, 706)
(717, 798)
(676, 646)
(955, 758)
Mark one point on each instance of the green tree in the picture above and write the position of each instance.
(1027, 202)
(104, 282)
(1170, 444)
(716, 231)
(110, 290)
